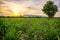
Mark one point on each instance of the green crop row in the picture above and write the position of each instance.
(29, 28)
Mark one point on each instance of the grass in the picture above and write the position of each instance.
(30, 28)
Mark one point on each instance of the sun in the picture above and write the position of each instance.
(16, 14)
(18, 10)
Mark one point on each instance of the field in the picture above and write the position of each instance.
(30, 28)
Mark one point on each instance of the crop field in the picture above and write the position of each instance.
(30, 28)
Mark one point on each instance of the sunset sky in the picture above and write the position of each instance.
(21, 7)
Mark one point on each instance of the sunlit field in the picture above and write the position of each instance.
(30, 28)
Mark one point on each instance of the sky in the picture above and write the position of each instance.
(25, 7)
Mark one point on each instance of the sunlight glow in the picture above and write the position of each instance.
(16, 8)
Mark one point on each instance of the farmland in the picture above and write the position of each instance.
(30, 28)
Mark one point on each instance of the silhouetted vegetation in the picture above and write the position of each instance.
(50, 9)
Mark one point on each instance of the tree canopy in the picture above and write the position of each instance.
(50, 9)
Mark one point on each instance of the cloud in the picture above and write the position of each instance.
(4, 11)
(30, 6)
(57, 2)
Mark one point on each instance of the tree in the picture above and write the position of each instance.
(50, 9)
